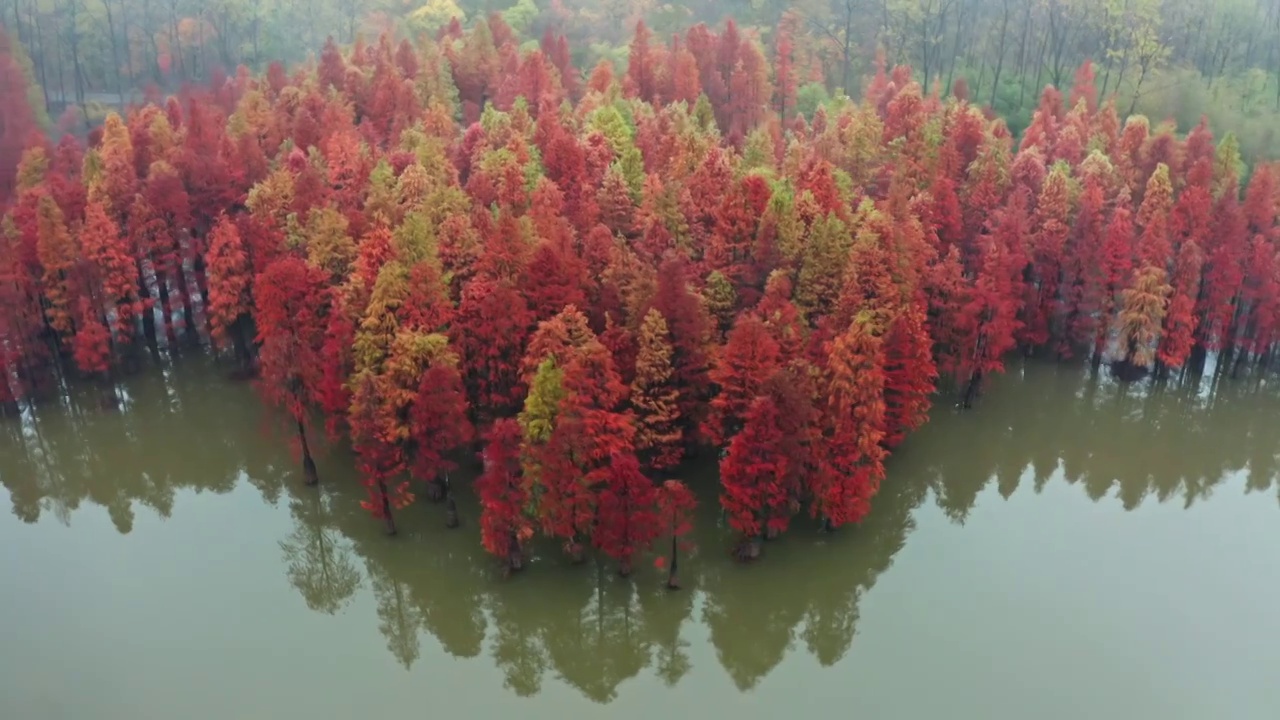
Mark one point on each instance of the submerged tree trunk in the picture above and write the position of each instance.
(308, 463)
(386, 507)
(673, 581)
(971, 390)
(451, 514)
(240, 343)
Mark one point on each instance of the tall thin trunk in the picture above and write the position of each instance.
(1004, 33)
(312, 477)
(673, 580)
(386, 507)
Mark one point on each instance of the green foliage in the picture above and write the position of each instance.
(435, 14)
(542, 405)
(521, 15)
(810, 97)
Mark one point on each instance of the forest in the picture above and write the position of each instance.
(1173, 59)
(431, 244)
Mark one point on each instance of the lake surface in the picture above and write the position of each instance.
(1070, 548)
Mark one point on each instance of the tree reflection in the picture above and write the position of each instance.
(182, 432)
(317, 558)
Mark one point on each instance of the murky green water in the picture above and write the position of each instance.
(1067, 550)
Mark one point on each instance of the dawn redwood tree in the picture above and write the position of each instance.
(17, 119)
(1143, 308)
(675, 505)
(438, 423)
(379, 454)
(910, 375)
(1117, 270)
(690, 327)
(855, 422)
(91, 347)
(627, 521)
(752, 476)
(642, 75)
(291, 301)
(1177, 337)
(230, 290)
(57, 254)
(573, 427)
(747, 360)
(107, 251)
(989, 319)
(1084, 270)
(492, 325)
(654, 399)
(504, 526)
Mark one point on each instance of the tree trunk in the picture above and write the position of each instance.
(386, 507)
(971, 390)
(240, 342)
(450, 512)
(673, 581)
(312, 478)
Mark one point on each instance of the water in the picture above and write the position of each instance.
(1068, 549)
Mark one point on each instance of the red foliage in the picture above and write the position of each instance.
(112, 260)
(438, 423)
(747, 360)
(753, 472)
(229, 281)
(909, 374)
(690, 328)
(855, 419)
(642, 74)
(504, 528)
(289, 299)
(493, 322)
(627, 522)
(17, 120)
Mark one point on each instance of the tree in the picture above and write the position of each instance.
(1144, 305)
(17, 119)
(380, 456)
(504, 528)
(675, 514)
(642, 75)
(108, 252)
(291, 300)
(493, 322)
(438, 423)
(909, 374)
(690, 327)
(855, 426)
(230, 290)
(627, 522)
(659, 440)
(57, 254)
(752, 474)
(748, 359)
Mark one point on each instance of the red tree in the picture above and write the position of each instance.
(230, 289)
(748, 359)
(675, 513)
(855, 422)
(627, 522)
(752, 474)
(909, 374)
(290, 298)
(504, 528)
(493, 322)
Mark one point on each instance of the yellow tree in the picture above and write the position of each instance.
(659, 440)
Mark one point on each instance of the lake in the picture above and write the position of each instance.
(1069, 548)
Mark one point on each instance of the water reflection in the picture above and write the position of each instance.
(184, 431)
